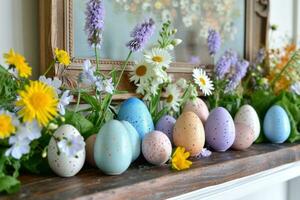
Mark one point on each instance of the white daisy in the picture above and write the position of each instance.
(203, 81)
(172, 97)
(158, 57)
(55, 83)
(142, 71)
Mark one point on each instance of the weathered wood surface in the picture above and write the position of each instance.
(150, 182)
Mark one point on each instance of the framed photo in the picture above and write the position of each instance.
(243, 25)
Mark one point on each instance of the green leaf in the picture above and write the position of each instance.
(91, 100)
(291, 105)
(9, 184)
(83, 125)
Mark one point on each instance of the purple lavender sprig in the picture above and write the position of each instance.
(225, 62)
(241, 68)
(141, 35)
(94, 21)
(213, 42)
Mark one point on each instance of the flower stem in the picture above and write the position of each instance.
(116, 86)
(97, 59)
(78, 98)
(50, 67)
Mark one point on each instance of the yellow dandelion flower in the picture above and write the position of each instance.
(18, 61)
(38, 101)
(179, 159)
(7, 126)
(62, 57)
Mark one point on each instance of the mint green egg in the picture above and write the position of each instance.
(135, 140)
(113, 149)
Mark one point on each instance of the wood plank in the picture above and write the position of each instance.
(150, 182)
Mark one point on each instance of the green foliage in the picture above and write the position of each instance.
(9, 184)
(291, 103)
(83, 125)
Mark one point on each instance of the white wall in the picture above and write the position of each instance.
(19, 29)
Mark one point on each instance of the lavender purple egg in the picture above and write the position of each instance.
(166, 125)
(219, 129)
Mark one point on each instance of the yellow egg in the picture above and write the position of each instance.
(189, 133)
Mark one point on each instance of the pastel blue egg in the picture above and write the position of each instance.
(112, 149)
(135, 140)
(136, 113)
(277, 127)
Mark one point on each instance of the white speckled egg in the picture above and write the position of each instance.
(62, 164)
(189, 133)
(156, 148)
(243, 136)
(198, 107)
(89, 148)
(248, 116)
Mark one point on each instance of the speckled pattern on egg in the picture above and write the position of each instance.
(113, 148)
(219, 129)
(166, 125)
(248, 116)
(156, 148)
(136, 113)
(62, 164)
(244, 136)
(198, 107)
(277, 127)
(189, 133)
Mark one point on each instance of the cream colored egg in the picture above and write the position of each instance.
(89, 148)
(248, 116)
(244, 137)
(198, 107)
(62, 164)
(189, 133)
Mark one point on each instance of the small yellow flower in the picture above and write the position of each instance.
(38, 101)
(6, 125)
(179, 159)
(62, 57)
(18, 61)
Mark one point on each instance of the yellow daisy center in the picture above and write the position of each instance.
(141, 70)
(158, 59)
(6, 126)
(38, 101)
(170, 98)
(202, 81)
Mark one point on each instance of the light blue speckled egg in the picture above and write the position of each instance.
(277, 127)
(135, 140)
(136, 113)
(112, 149)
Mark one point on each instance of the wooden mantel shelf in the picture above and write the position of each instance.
(150, 182)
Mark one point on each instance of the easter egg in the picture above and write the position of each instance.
(89, 148)
(199, 108)
(219, 129)
(248, 116)
(156, 148)
(113, 149)
(244, 136)
(61, 163)
(189, 133)
(134, 139)
(136, 113)
(166, 125)
(277, 127)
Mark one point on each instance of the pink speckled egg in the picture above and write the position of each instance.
(198, 107)
(244, 136)
(156, 148)
(166, 125)
(219, 129)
